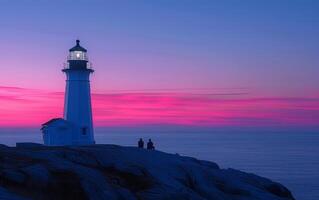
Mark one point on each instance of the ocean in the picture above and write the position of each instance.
(290, 157)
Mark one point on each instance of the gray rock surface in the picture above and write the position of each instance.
(113, 172)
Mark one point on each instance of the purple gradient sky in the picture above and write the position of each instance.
(263, 49)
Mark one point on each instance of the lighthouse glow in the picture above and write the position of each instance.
(77, 55)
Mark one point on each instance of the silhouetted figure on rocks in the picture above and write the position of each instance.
(150, 145)
(141, 143)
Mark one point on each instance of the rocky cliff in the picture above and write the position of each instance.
(114, 172)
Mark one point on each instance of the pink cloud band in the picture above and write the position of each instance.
(31, 107)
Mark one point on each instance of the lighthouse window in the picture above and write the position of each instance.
(77, 55)
(84, 130)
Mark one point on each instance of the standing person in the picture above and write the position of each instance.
(141, 143)
(150, 145)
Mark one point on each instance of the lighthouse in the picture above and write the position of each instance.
(76, 126)
(77, 102)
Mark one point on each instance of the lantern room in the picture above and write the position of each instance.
(77, 52)
(77, 58)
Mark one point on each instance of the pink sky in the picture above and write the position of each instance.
(32, 107)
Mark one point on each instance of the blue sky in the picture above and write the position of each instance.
(264, 49)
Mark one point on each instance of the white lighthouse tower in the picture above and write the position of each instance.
(77, 102)
(76, 127)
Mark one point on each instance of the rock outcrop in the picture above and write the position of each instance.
(114, 172)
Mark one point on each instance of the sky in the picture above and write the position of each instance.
(194, 63)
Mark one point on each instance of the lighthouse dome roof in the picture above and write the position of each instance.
(78, 47)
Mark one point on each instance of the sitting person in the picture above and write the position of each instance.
(141, 143)
(150, 145)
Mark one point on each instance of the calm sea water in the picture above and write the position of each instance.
(289, 157)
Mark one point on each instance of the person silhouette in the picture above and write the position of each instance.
(140, 143)
(150, 145)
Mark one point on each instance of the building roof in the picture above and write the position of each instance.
(77, 47)
(52, 120)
